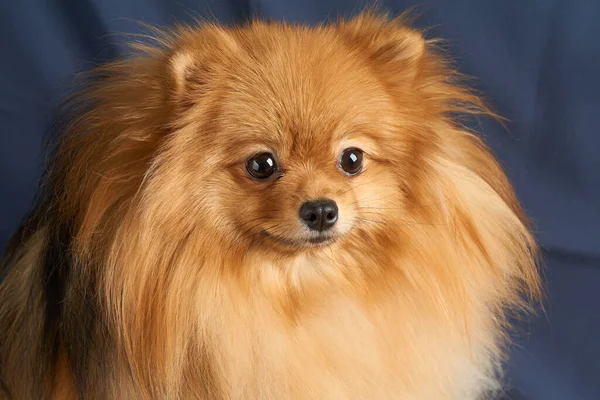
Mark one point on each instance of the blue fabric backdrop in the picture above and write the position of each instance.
(537, 60)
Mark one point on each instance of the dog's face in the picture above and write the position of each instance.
(304, 163)
(295, 144)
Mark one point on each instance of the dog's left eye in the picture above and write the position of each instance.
(352, 161)
(261, 166)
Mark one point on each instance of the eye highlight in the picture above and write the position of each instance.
(351, 161)
(261, 166)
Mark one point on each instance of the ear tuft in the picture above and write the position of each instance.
(193, 63)
(189, 75)
(384, 41)
(182, 67)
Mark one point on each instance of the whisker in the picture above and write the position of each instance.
(362, 184)
(404, 221)
(403, 208)
(371, 220)
(371, 198)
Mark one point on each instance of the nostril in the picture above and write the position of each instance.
(319, 215)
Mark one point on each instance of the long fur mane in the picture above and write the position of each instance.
(97, 301)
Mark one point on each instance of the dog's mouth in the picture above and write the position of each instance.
(320, 240)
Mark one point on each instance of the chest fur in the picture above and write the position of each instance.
(345, 351)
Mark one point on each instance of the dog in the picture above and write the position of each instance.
(269, 211)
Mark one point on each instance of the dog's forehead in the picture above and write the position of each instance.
(303, 99)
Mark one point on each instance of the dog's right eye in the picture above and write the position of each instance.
(352, 161)
(261, 166)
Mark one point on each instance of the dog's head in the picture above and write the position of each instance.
(292, 139)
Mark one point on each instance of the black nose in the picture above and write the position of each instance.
(319, 215)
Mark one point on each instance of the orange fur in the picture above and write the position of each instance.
(165, 229)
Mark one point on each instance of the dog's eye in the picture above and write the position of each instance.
(352, 161)
(261, 166)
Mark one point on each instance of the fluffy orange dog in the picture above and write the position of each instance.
(268, 212)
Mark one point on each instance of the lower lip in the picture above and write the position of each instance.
(323, 240)
(314, 241)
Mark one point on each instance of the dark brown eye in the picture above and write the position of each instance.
(261, 166)
(352, 161)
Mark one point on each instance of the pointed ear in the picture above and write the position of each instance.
(185, 71)
(198, 55)
(189, 74)
(389, 44)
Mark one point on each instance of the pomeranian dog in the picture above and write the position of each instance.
(269, 211)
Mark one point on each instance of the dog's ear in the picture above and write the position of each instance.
(187, 71)
(192, 65)
(390, 44)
